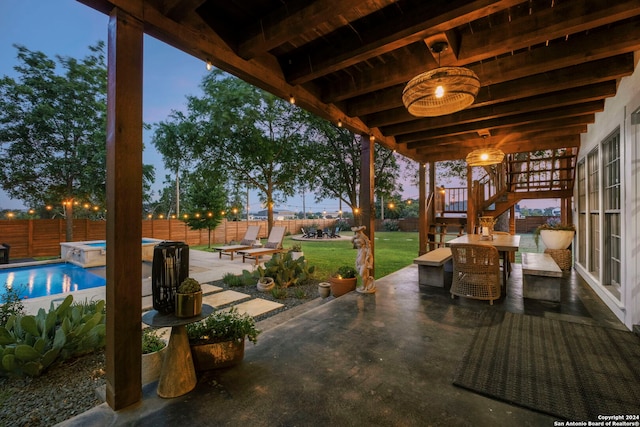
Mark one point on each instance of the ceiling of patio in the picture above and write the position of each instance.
(545, 66)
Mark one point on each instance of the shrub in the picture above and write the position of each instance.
(279, 292)
(29, 344)
(284, 270)
(223, 326)
(232, 280)
(391, 225)
(345, 272)
(151, 342)
(11, 303)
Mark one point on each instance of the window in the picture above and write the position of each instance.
(594, 212)
(582, 214)
(611, 211)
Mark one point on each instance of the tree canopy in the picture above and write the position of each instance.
(53, 130)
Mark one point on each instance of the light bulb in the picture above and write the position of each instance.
(439, 92)
(209, 66)
(484, 156)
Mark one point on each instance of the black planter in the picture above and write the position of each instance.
(170, 268)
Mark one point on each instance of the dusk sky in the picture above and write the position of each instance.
(67, 28)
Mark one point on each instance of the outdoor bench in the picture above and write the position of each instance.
(435, 268)
(541, 277)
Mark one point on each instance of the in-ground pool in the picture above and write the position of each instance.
(93, 253)
(49, 279)
(45, 279)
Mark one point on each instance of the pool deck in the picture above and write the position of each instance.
(203, 266)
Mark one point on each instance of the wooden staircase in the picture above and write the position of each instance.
(548, 174)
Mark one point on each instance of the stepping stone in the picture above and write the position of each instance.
(209, 289)
(223, 298)
(257, 306)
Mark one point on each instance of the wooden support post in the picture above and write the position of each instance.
(367, 204)
(124, 207)
(423, 224)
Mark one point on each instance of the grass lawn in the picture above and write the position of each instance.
(393, 250)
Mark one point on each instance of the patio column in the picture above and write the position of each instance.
(367, 205)
(124, 210)
(423, 217)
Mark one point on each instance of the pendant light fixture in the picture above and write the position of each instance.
(485, 156)
(443, 90)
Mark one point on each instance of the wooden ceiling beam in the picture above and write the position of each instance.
(619, 39)
(399, 121)
(516, 119)
(501, 136)
(280, 26)
(559, 21)
(460, 152)
(415, 24)
(561, 79)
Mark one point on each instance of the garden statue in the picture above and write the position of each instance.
(364, 260)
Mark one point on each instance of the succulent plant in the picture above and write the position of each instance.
(189, 286)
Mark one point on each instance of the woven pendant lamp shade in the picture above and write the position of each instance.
(460, 87)
(485, 157)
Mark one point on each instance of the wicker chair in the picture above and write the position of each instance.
(476, 272)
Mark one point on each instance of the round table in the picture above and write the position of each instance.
(178, 375)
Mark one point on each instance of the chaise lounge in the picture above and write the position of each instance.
(246, 243)
(273, 245)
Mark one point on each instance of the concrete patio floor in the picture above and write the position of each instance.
(383, 359)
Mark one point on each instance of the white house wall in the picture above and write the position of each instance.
(617, 113)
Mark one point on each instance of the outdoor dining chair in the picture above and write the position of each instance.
(476, 272)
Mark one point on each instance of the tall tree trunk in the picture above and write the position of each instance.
(68, 212)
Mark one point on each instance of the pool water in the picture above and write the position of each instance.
(50, 279)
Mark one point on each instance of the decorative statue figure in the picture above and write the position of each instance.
(364, 260)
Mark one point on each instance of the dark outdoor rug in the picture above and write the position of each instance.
(567, 370)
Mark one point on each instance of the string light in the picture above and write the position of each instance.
(292, 100)
(209, 65)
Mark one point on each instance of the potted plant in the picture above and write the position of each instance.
(189, 298)
(218, 340)
(296, 251)
(343, 280)
(555, 235)
(153, 350)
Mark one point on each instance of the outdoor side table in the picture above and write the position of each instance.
(177, 375)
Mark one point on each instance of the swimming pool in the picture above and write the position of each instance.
(49, 279)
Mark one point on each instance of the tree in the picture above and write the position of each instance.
(53, 131)
(333, 164)
(250, 133)
(206, 198)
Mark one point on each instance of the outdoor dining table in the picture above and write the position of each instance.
(504, 243)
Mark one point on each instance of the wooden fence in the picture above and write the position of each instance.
(31, 238)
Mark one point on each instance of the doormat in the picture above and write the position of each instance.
(567, 370)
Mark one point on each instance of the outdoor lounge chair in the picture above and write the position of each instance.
(247, 242)
(273, 245)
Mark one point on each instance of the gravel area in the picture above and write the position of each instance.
(70, 389)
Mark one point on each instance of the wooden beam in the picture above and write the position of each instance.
(406, 123)
(565, 78)
(367, 191)
(124, 206)
(618, 39)
(516, 119)
(281, 25)
(504, 135)
(416, 23)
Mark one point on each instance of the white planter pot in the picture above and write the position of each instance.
(265, 284)
(296, 255)
(557, 239)
(151, 365)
